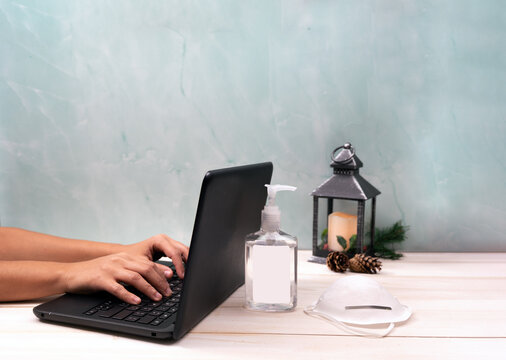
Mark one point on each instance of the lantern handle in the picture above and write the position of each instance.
(347, 146)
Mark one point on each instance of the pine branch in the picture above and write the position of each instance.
(394, 234)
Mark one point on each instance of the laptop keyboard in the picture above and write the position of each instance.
(147, 312)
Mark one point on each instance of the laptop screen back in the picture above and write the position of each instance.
(229, 208)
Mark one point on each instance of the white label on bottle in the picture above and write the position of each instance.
(271, 274)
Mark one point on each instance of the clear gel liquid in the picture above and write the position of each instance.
(271, 271)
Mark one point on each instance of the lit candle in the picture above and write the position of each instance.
(341, 224)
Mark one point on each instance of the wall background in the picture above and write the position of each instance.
(112, 111)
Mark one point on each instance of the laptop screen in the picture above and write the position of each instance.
(229, 208)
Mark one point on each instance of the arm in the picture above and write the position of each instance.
(19, 244)
(34, 265)
(23, 280)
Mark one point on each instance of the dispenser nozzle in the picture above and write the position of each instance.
(271, 214)
(273, 189)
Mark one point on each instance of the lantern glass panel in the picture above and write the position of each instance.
(337, 231)
(321, 238)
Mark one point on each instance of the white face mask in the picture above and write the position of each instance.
(362, 301)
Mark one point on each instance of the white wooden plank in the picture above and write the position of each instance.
(490, 265)
(88, 345)
(455, 306)
(459, 305)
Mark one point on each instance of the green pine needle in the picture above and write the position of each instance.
(385, 238)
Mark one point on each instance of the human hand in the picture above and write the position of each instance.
(106, 273)
(158, 246)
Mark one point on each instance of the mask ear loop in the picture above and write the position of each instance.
(349, 328)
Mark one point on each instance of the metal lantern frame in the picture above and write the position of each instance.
(345, 184)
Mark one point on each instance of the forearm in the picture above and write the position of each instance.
(77, 266)
(19, 244)
(23, 280)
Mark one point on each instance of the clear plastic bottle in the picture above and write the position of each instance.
(271, 262)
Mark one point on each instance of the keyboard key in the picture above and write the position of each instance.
(139, 313)
(164, 316)
(147, 319)
(132, 318)
(90, 312)
(133, 308)
(122, 314)
(111, 312)
(155, 313)
(156, 322)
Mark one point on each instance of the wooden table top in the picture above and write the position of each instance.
(458, 302)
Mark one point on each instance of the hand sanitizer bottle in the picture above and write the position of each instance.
(271, 261)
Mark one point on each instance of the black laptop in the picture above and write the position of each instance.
(229, 208)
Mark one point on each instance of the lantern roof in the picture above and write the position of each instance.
(346, 183)
(344, 186)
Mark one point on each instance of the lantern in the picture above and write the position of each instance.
(345, 184)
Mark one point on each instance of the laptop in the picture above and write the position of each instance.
(229, 208)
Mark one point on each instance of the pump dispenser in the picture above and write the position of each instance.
(271, 216)
(271, 261)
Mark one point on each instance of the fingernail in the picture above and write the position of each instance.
(168, 292)
(168, 273)
(158, 296)
(136, 299)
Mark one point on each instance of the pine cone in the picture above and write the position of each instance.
(337, 261)
(364, 264)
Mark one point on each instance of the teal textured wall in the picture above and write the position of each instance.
(112, 111)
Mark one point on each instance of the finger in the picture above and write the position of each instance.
(137, 280)
(185, 252)
(176, 258)
(178, 264)
(152, 273)
(176, 251)
(121, 293)
(167, 271)
(181, 248)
